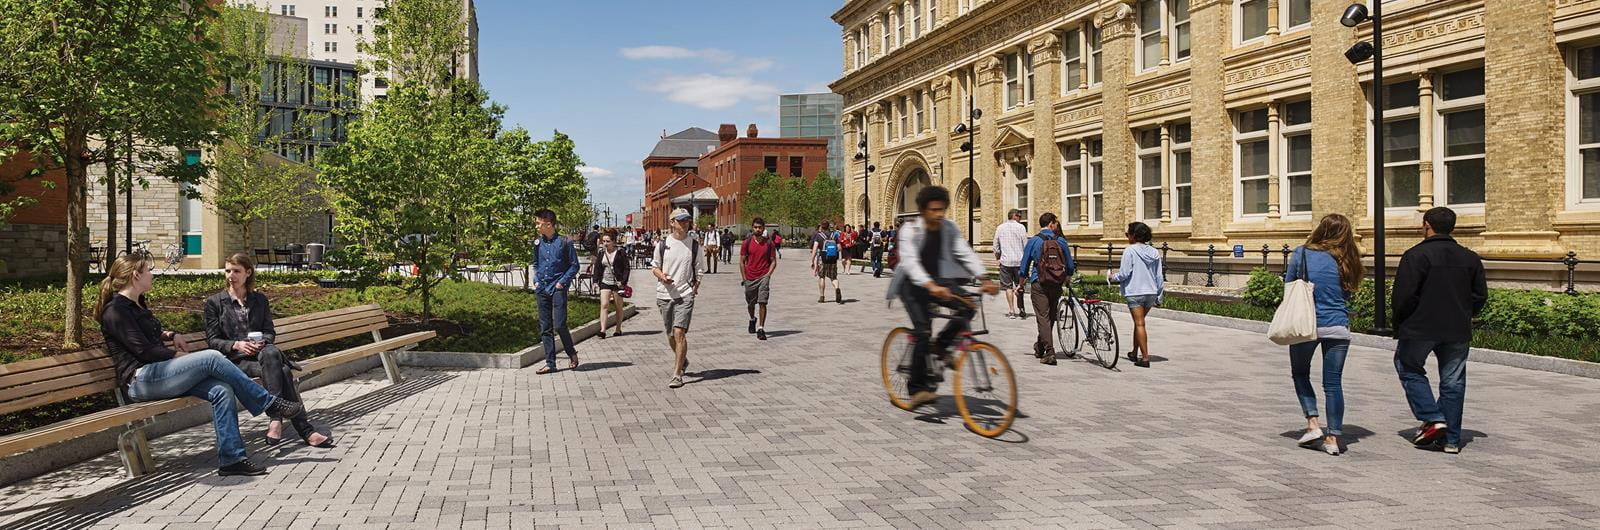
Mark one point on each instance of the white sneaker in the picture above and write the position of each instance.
(677, 381)
(1310, 437)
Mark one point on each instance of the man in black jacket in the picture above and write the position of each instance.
(1439, 288)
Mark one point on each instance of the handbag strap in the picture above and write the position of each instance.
(1303, 258)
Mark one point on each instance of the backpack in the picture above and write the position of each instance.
(830, 248)
(1052, 263)
(877, 239)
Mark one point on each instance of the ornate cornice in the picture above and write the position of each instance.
(1266, 70)
(1425, 32)
(1083, 114)
(1045, 48)
(942, 84)
(1157, 96)
(1115, 21)
(931, 53)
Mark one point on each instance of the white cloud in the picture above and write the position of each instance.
(659, 52)
(591, 171)
(713, 92)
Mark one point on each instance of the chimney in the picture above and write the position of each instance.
(750, 132)
(727, 133)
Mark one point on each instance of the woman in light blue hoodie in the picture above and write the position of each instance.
(1142, 286)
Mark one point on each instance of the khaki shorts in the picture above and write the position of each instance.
(675, 313)
(758, 290)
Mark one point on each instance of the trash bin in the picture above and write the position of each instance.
(314, 255)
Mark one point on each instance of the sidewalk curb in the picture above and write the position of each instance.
(1483, 355)
(523, 358)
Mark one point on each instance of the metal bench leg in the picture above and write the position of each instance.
(135, 450)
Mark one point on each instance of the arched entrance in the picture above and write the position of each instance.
(864, 206)
(906, 196)
(959, 208)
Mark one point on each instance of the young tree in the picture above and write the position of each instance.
(77, 71)
(762, 198)
(826, 198)
(533, 175)
(251, 182)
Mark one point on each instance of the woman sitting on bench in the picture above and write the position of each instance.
(149, 369)
(239, 324)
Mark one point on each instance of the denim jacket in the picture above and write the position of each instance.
(555, 262)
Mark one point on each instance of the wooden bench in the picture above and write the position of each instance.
(28, 384)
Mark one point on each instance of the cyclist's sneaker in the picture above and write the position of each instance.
(1452, 449)
(923, 398)
(1048, 359)
(1428, 434)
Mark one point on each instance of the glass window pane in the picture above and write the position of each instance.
(1150, 171)
(1074, 75)
(1299, 12)
(1070, 47)
(1074, 210)
(1185, 202)
(1149, 138)
(1180, 133)
(1149, 15)
(1253, 158)
(1400, 186)
(1096, 147)
(1180, 42)
(1400, 95)
(1181, 167)
(1072, 178)
(1300, 153)
(1591, 173)
(1463, 84)
(1152, 204)
(1255, 196)
(1587, 64)
(1253, 14)
(1180, 10)
(1298, 113)
(1150, 50)
(1400, 140)
(1463, 133)
(1253, 120)
(1300, 193)
(1465, 180)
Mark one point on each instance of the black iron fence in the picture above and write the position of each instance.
(1267, 252)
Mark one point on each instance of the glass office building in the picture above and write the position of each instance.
(814, 115)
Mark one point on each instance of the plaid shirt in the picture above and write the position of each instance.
(1008, 239)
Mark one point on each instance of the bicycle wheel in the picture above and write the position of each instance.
(1101, 335)
(986, 390)
(896, 366)
(1067, 327)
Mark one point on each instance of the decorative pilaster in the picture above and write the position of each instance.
(987, 178)
(1272, 18)
(1425, 142)
(1044, 193)
(1274, 159)
(1117, 27)
(1166, 172)
(1524, 91)
(1211, 133)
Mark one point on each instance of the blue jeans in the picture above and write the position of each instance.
(553, 320)
(1410, 358)
(210, 376)
(1333, 354)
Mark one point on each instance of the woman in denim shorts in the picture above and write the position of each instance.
(1142, 286)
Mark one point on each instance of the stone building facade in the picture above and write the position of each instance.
(1225, 122)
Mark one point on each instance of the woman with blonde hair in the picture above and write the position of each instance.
(239, 323)
(1331, 261)
(152, 365)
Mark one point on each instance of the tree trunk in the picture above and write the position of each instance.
(77, 239)
(111, 210)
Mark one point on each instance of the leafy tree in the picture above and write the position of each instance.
(763, 197)
(78, 72)
(705, 220)
(533, 175)
(251, 182)
(825, 197)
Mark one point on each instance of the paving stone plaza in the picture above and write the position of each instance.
(796, 432)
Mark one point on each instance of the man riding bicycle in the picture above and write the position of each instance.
(934, 263)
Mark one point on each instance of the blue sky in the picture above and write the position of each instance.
(614, 74)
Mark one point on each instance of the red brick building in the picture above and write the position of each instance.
(34, 240)
(709, 172)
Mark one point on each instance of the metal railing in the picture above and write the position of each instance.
(1267, 252)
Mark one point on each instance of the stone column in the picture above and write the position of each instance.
(847, 128)
(1425, 142)
(1273, 160)
(949, 115)
(1044, 184)
(1524, 102)
(1117, 28)
(1210, 128)
(1083, 168)
(1166, 172)
(1339, 142)
(986, 171)
(875, 186)
(1272, 18)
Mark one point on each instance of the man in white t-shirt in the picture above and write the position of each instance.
(677, 271)
(1009, 238)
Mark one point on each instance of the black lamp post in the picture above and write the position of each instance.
(1361, 51)
(973, 115)
(866, 180)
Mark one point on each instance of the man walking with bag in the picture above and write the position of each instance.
(758, 259)
(677, 269)
(1439, 287)
(1047, 264)
(555, 265)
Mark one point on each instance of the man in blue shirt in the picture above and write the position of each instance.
(1047, 264)
(555, 264)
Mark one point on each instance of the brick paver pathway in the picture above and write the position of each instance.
(796, 432)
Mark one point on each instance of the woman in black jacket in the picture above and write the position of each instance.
(609, 268)
(231, 317)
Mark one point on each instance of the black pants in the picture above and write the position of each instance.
(276, 373)
(919, 307)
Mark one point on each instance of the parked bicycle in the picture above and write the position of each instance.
(985, 387)
(174, 254)
(1087, 321)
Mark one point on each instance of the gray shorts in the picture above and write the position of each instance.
(756, 291)
(675, 313)
(1143, 300)
(1008, 277)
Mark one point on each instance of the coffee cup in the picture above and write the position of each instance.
(256, 336)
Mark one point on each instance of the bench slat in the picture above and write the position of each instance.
(331, 327)
(332, 359)
(332, 335)
(51, 361)
(88, 424)
(289, 327)
(26, 403)
(64, 370)
(44, 387)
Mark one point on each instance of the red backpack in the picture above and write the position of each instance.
(1052, 263)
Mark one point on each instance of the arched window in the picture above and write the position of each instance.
(913, 183)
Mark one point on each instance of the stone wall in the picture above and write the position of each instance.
(32, 250)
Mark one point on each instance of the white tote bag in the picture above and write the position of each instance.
(1296, 319)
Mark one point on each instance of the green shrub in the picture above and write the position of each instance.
(1265, 288)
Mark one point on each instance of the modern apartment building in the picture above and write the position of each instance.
(814, 116)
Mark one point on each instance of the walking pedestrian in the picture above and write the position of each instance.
(777, 243)
(1142, 286)
(877, 244)
(610, 272)
(713, 248)
(1009, 238)
(555, 265)
(825, 261)
(847, 245)
(1331, 261)
(1438, 289)
(758, 260)
(1046, 264)
(727, 244)
(677, 272)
